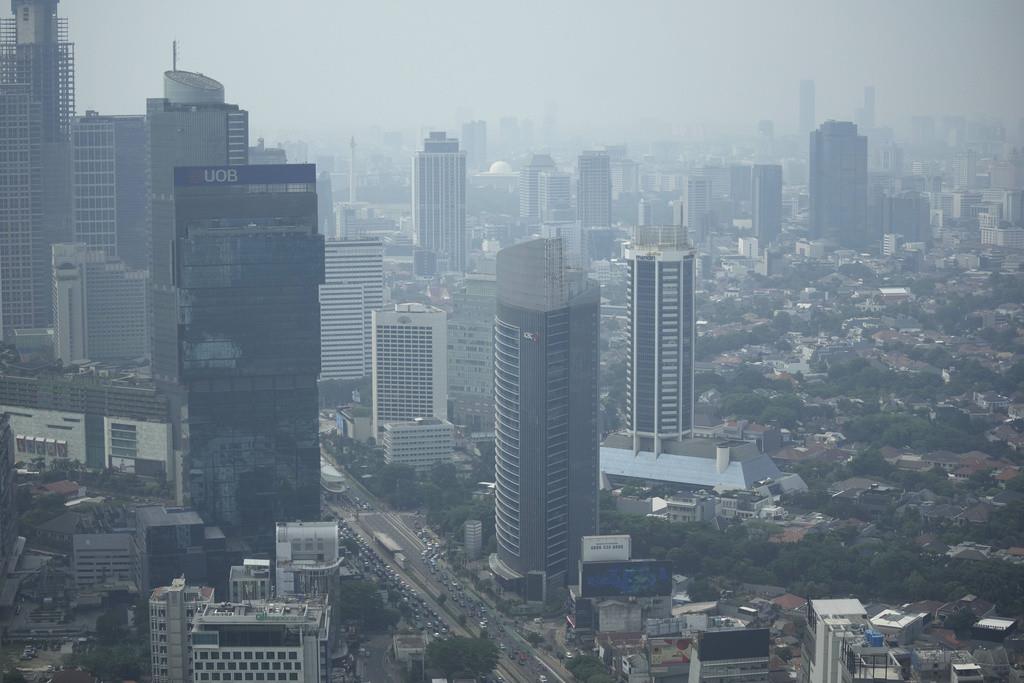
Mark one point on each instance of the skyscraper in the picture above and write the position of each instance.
(594, 190)
(410, 368)
(21, 193)
(108, 185)
(353, 288)
(866, 114)
(474, 139)
(530, 187)
(838, 185)
(766, 206)
(660, 311)
(696, 207)
(555, 193)
(808, 122)
(248, 264)
(189, 126)
(545, 411)
(471, 353)
(907, 214)
(37, 101)
(325, 205)
(439, 201)
(100, 306)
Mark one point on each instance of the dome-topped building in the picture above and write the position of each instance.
(500, 168)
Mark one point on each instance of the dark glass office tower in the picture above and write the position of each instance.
(838, 185)
(247, 265)
(766, 205)
(546, 406)
(660, 305)
(8, 509)
(37, 101)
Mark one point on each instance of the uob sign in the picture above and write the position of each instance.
(220, 175)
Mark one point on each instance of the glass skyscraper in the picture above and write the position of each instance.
(37, 101)
(247, 266)
(546, 363)
(838, 185)
(660, 311)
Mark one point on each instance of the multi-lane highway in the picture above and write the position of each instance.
(421, 568)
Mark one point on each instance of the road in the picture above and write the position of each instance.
(400, 527)
(414, 573)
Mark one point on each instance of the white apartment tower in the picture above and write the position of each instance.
(594, 190)
(410, 366)
(171, 611)
(439, 201)
(353, 288)
(696, 207)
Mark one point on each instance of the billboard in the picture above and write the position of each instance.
(669, 651)
(635, 578)
(260, 174)
(606, 548)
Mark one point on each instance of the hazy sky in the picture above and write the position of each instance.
(317, 67)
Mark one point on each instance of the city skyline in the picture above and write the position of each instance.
(908, 51)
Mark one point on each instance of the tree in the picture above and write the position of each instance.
(14, 676)
(110, 627)
(359, 601)
(473, 657)
(585, 668)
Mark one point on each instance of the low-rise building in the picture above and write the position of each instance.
(104, 562)
(276, 641)
(421, 443)
(731, 656)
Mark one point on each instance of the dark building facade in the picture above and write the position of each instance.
(37, 101)
(546, 415)
(243, 341)
(766, 205)
(907, 214)
(8, 510)
(838, 185)
(660, 311)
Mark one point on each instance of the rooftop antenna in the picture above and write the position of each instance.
(174, 55)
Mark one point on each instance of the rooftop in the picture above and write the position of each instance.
(688, 461)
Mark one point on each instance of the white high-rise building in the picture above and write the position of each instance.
(696, 206)
(439, 201)
(99, 306)
(410, 366)
(353, 288)
(171, 609)
(530, 187)
(594, 190)
(829, 624)
(555, 190)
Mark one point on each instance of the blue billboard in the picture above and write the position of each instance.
(260, 174)
(634, 578)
